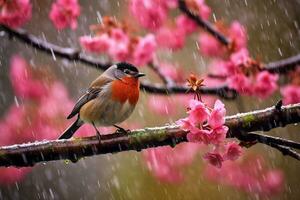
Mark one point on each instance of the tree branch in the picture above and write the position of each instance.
(74, 149)
(76, 55)
(286, 151)
(203, 23)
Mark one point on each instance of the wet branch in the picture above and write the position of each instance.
(76, 55)
(74, 149)
(203, 23)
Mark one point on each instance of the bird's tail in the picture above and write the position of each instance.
(69, 132)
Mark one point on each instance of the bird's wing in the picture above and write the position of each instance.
(92, 93)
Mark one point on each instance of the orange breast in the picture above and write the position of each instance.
(127, 89)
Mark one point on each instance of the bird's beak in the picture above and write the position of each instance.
(138, 75)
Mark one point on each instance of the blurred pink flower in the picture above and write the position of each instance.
(22, 81)
(238, 35)
(233, 151)
(119, 48)
(173, 72)
(209, 46)
(151, 14)
(185, 23)
(240, 57)
(170, 38)
(241, 83)
(198, 112)
(217, 115)
(97, 44)
(9, 175)
(291, 94)
(64, 13)
(15, 13)
(250, 175)
(214, 159)
(144, 50)
(265, 84)
(166, 163)
(204, 10)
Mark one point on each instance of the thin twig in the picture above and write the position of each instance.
(74, 149)
(203, 23)
(286, 150)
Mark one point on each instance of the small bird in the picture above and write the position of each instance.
(109, 100)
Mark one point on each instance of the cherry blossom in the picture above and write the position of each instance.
(291, 94)
(144, 50)
(64, 13)
(97, 44)
(15, 13)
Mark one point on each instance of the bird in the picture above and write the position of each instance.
(109, 100)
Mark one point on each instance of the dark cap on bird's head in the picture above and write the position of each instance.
(129, 69)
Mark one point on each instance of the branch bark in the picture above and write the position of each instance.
(74, 149)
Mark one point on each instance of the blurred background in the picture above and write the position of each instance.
(273, 30)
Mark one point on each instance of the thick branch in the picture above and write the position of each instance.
(74, 149)
(76, 55)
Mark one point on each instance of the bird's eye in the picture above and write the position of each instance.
(126, 71)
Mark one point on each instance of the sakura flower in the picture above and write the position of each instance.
(15, 13)
(209, 46)
(171, 38)
(233, 151)
(144, 50)
(291, 94)
(198, 135)
(238, 35)
(217, 116)
(198, 112)
(265, 84)
(240, 57)
(214, 159)
(97, 44)
(185, 23)
(240, 83)
(64, 13)
(22, 81)
(173, 72)
(166, 163)
(151, 14)
(204, 10)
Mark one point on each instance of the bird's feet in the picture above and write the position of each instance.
(121, 131)
(97, 133)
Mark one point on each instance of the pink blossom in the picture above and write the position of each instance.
(15, 13)
(151, 14)
(97, 44)
(240, 83)
(221, 68)
(240, 57)
(291, 94)
(209, 46)
(173, 72)
(265, 84)
(64, 13)
(214, 159)
(250, 175)
(119, 45)
(217, 116)
(144, 50)
(204, 10)
(198, 112)
(167, 163)
(198, 135)
(233, 151)
(171, 38)
(217, 135)
(23, 83)
(185, 23)
(238, 35)
(11, 175)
